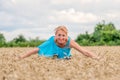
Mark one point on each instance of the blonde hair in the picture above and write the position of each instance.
(63, 28)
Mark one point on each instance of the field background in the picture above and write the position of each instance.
(78, 68)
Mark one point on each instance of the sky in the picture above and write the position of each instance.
(39, 18)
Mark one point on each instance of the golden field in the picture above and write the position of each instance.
(79, 67)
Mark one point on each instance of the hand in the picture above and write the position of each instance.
(96, 58)
(18, 58)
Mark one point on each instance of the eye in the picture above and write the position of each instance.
(59, 34)
(63, 35)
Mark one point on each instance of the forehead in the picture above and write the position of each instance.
(60, 32)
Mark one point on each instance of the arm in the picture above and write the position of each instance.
(76, 46)
(34, 51)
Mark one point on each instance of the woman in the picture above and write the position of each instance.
(59, 45)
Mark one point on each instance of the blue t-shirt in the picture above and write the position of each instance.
(49, 48)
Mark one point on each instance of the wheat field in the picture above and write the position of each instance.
(79, 67)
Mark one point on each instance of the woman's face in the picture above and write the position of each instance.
(61, 37)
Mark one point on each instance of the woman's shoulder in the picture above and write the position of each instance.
(48, 41)
(69, 39)
(51, 38)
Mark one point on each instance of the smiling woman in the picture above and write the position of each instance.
(61, 39)
(59, 45)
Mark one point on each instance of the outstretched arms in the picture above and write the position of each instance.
(76, 46)
(34, 51)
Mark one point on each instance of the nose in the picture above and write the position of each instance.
(61, 38)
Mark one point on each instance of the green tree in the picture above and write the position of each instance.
(35, 42)
(20, 38)
(2, 40)
(104, 34)
(83, 39)
(99, 27)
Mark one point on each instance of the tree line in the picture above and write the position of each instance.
(20, 41)
(103, 34)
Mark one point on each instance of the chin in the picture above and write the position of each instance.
(61, 42)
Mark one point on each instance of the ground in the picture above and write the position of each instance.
(79, 67)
